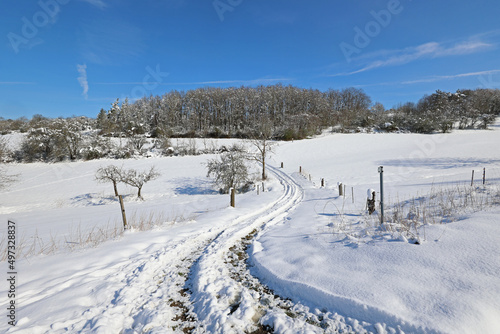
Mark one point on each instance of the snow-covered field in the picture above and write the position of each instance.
(322, 251)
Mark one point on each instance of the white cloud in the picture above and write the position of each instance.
(16, 83)
(98, 3)
(82, 79)
(450, 77)
(422, 51)
(215, 82)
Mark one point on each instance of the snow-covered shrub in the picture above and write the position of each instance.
(38, 145)
(136, 144)
(4, 149)
(229, 170)
(96, 147)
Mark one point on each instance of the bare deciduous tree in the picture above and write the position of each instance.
(264, 145)
(137, 179)
(4, 148)
(111, 173)
(229, 170)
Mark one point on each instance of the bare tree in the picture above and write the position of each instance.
(264, 145)
(4, 149)
(230, 170)
(111, 173)
(137, 179)
(68, 138)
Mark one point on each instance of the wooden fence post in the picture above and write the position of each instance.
(233, 199)
(341, 192)
(323, 183)
(281, 165)
(300, 169)
(472, 180)
(124, 217)
(484, 176)
(258, 190)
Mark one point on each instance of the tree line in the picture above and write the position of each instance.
(292, 112)
(271, 112)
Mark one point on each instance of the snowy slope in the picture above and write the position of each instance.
(135, 283)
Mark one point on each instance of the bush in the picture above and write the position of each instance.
(229, 170)
(96, 147)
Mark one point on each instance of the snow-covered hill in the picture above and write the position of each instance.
(308, 244)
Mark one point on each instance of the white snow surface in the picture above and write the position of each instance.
(449, 283)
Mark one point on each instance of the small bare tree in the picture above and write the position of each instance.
(137, 143)
(264, 146)
(4, 149)
(111, 173)
(137, 179)
(230, 170)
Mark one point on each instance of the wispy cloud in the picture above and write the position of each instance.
(82, 79)
(422, 51)
(450, 77)
(98, 3)
(215, 82)
(435, 78)
(16, 83)
(110, 41)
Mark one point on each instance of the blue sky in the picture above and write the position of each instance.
(74, 57)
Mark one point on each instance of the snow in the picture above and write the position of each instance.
(322, 251)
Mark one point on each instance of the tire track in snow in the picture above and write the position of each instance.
(214, 292)
(149, 294)
(228, 299)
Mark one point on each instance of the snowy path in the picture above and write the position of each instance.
(143, 289)
(154, 299)
(214, 292)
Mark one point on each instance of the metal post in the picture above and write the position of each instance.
(120, 197)
(381, 172)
